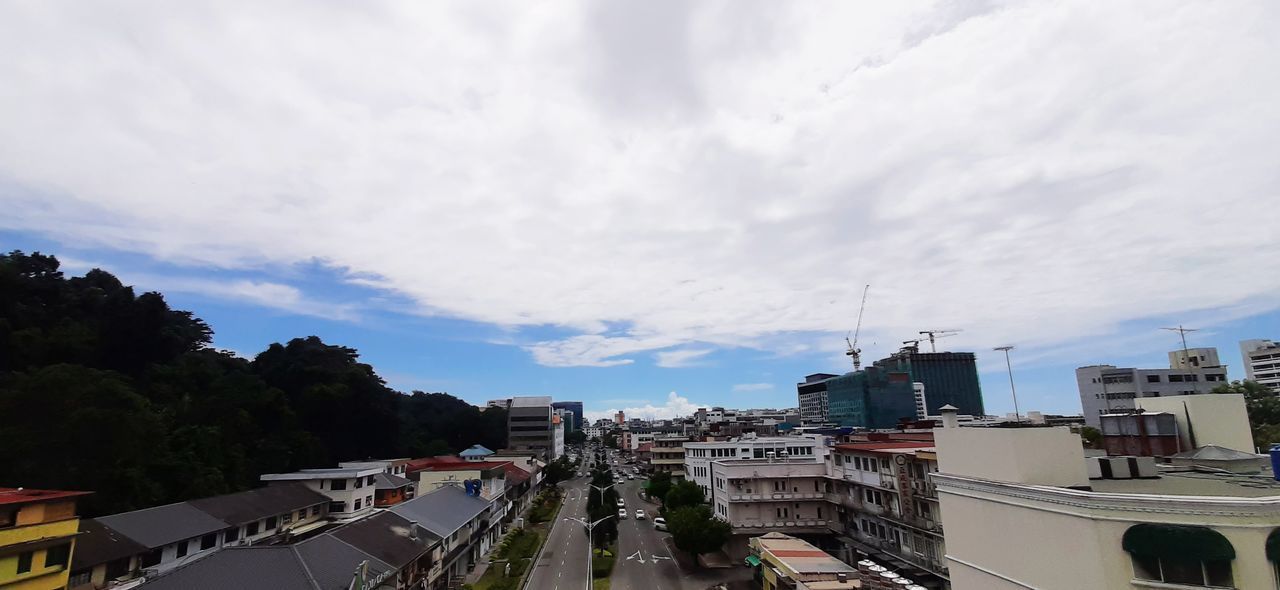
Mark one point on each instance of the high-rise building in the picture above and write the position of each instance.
(1261, 362)
(950, 378)
(575, 407)
(871, 398)
(1105, 388)
(813, 398)
(530, 426)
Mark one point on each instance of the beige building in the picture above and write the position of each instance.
(788, 563)
(667, 454)
(761, 495)
(1020, 511)
(1219, 419)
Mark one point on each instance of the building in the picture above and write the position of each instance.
(813, 398)
(1021, 510)
(103, 558)
(1261, 360)
(667, 454)
(593, 432)
(788, 563)
(698, 456)
(922, 403)
(620, 418)
(254, 516)
(433, 473)
(757, 496)
(498, 403)
(530, 426)
(465, 525)
(391, 486)
(173, 534)
(38, 531)
(950, 378)
(1220, 419)
(871, 398)
(350, 489)
(1104, 389)
(558, 425)
(1194, 358)
(576, 409)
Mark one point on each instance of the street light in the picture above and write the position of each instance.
(1017, 416)
(590, 548)
(601, 490)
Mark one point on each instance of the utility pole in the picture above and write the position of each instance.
(1017, 416)
(601, 490)
(590, 550)
(1186, 356)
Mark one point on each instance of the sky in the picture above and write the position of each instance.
(661, 205)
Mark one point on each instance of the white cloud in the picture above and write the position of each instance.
(261, 293)
(686, 357)
(654, 176)
(675, 407)
(743, 387)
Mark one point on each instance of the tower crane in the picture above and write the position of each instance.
(854, 352)
(934, 334)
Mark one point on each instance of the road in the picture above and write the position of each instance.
(644, 562)
(563, 562)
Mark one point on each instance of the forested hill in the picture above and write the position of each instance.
(105, 390)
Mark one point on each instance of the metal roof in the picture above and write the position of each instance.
(442, 511)
(305, 474)
(386, 481)
(388, 537)
(531, 402)
(248, 506)
(162, 525)
(98, 543)
(332, 562)
(244, 568)
(29, 496)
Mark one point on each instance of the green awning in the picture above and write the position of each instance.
(1178, 541)
(752, 561)
(1273, 546)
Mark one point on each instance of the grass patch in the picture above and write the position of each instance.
(602, 584)
(602, 561)
(518, 549)
(545, 506)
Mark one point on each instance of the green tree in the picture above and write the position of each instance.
(559, 470)
(1091, 436)
(659, 485)
(602, 505)
(682, 493)
(611, 438)
(695, 531)
(576, 437)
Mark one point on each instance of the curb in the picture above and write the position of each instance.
(528, 572)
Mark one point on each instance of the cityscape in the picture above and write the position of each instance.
(435, 295)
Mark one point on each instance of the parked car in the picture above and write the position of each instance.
(622, 515)
(639, 515)
(660, 523)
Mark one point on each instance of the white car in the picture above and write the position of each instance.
(621, 504)
(660, 523)
(622, 514)
(639, 515)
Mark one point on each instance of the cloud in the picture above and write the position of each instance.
(676, 406)
(689, 176)
(261, 293)
(680, 358)
(743, 387)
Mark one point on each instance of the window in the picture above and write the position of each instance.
(337, 507)
(151, 558)
(24, 562)
(337, 484)
(1176, 571)
(80, 579)
(369, 481)
(286, 518)
(302, 514)
(1153, 378)
(315, 510)
(359, 482)
(322, 484)
(231, 535)
(1175, 378)
(271, 522)
(368, 500)
(357, 503)
(252, 529)
(182, 548)
(1180, 554)
(57, 555)
(8, 517)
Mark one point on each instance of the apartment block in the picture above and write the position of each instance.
(698, 456)
(667, 454)
(38, 530)
(530, 426)
(1105, 389)
(1261, 362)
(812, 393)
(350, 490)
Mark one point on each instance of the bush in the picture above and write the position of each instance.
(602, 563)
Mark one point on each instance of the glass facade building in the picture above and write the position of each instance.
(871, 398)
(576, 408)
(948, 378)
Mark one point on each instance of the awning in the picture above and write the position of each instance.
(1273, 546)
(752, 561)
(1178, 541)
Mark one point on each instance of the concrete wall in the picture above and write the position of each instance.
(1217, 419)
(1043, 456)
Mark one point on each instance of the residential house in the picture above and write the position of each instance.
(173, 534)
(464, 523)
(667, 454)
(350, 489)
(37, 537)
(103, 558)
(257, 515)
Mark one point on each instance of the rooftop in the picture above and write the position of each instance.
(304, 474)
(99, 544)
(463, 466)
(442, 511)
(801, 557)
(386, 481)
(476, 451)
(28, 496)
(161, 525)
(1192, 482)
(248, 506)
(530, 402)
(886, 447)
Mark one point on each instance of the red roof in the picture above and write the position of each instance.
(28, 496)
(515, 475)
(423, 463)
(645, 448)
(883, 446)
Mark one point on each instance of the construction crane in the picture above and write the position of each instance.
(854, 352)
(935, 334)
(912, 344)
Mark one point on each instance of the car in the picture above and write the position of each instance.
(660, 523)
(639, 515)
(622, 514)
(621, 504)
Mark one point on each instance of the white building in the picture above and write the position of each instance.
(699, 455)
(1194, 358)
(1020, 511)
(762, 495)
(812, 395)
(922, 408)
(1106, 388)
(1261, 362)
(593, 432)
(557, 436)
(350, 490)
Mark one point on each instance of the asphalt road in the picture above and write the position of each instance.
(644, 563)
(563, 563)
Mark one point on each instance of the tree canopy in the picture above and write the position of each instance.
(112, 392)
(682, 493)
(694, 530)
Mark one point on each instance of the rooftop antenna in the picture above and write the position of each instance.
(934, 334)
(854, 352)
(1186, 356)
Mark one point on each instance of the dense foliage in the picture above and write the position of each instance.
(105, 390)
(1263, 406)
(682, 493)
(695, 530)
(602, 505)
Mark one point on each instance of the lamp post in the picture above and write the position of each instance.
(602, 489)
(590, 549)
(1017, 416)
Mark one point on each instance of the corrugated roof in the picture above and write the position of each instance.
(161, 525)
(386, 481)
(387, 536)
(442, 511)
(248, 506)
(28, 496)
(243, 568)
(98, 543)
(332, 562)
(476, 451)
